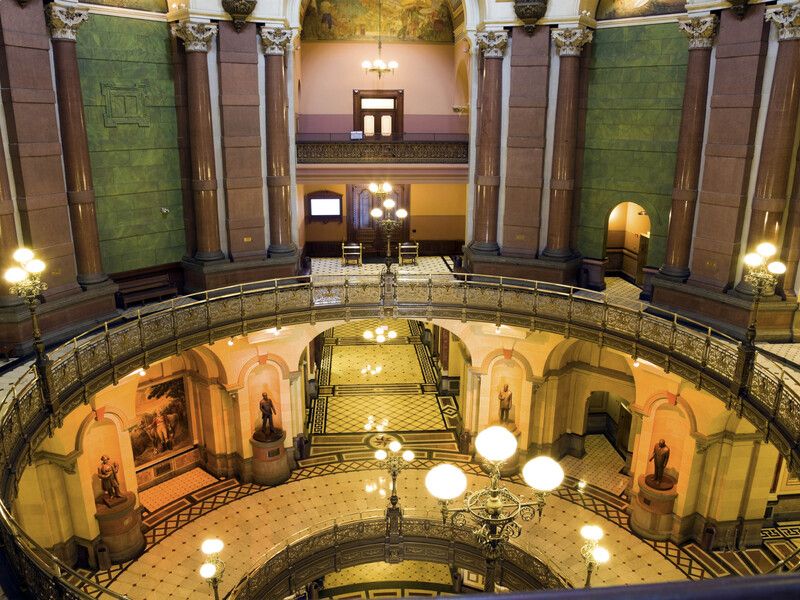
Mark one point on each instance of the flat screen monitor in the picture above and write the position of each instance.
(326, 207)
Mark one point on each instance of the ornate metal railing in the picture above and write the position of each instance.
(361, 538)
(753, 385)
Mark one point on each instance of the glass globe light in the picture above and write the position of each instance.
(393, 64)
(376, 213)
(380, 338)
(776, 268)
(543, 474)
(380, 64)
(753, 260)
(208, 570)
(366, 64)
(389, 204)
(395, 446)
(496, 443)
(368, 335)
(391, 335)
(34, 266)
(380, 455)
(401, 213)
(22, 255)
(212, 546)
(600, 555)
(15, 275)
(591, 532)
(766, 249)
(386, 187)
(446, 481)
(373, 187)
(408, 455)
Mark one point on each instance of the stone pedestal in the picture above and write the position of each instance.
(651, 511)
(121, 528)
(270, 462)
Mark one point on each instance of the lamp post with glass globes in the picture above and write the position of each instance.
(394, 461)
(389, 221)
(494, 510)
(213, 568)
(26, 283)
(592, 552)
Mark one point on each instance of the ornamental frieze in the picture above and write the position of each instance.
(383, 152)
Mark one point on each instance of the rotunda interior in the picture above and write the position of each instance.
(351, 299)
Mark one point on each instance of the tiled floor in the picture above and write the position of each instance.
(409, 570)
(160, 495)
(333, 266)
(398, 361)
(599, 467)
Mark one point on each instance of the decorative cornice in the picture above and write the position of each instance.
(787, 20)
(275, 40)
(701, 31)
(196, 37)
(493, 43)
(64, 21)
(570, 41)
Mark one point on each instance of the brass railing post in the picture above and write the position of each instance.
(208, 320)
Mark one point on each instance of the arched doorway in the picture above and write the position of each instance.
(627, 241)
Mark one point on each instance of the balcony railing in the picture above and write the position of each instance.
(412, 148)
(747, 382)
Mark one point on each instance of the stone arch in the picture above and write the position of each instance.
(208, 363)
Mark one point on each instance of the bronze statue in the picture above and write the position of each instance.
(267, 410)
(660, 457)
(107, 472)
(505, 403)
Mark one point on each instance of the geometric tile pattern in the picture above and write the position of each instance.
(354, 329)
(333, 266)
(177, 487)
(399, 364)
(410, 412)
(408, 570)
(600, 465)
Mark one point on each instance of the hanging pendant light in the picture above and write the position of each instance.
(378, 65)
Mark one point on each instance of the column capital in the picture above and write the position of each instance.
(701, 31)
(275, 40)
(492, 43)
(64, 21)
(197, 37)
(787, 20)
(570, 41)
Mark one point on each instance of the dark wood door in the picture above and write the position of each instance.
(623, 429)
(362, 228)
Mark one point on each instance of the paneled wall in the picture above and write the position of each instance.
(129, 101)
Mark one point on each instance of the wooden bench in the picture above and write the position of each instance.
(352, 253)
(407, 252)
(155, 287)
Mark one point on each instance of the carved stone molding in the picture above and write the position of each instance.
(239, 10)
(382, 152)
(787, 20)
(701, 31)
(196, 37)
(529, 12)
(275, 40)
(570, 42)
(493, 43)
(64, 21)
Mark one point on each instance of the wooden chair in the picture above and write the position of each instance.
(352, 253)
(407, 252)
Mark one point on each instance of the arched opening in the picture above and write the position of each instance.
(627, 242)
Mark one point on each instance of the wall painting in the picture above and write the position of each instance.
(623, 9)
(162, 428)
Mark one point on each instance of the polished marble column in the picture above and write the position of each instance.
(701, 32)
(196, 38)
(487, 161)
(774, 168)
(569, 43)
(275, 41)
(64, 23)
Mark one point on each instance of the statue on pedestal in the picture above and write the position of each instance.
(107, 472)
(660, 458)
(267, 408)
(505, 397)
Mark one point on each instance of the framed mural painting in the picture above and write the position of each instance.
(162, 428)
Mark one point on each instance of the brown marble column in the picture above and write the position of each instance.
(64, 23)
(770, 198)
(275, 40)
(701, 32)
(184, 150)
(487, 160)
(569, 43)
(196, 38)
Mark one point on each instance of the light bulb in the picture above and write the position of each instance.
(496, 443)
(600, 555)
(591, 532)
(380, 338)
(776, 268)
(368, 335)
(753, 260)
(208, 570)
(378, 369)
(766, 249)
(393, 64)
(395, 446)
(34, 266)
(391, 335)
(373, 187)
(543, 474)
(388, 204)
(22, 255)
(401, 213)
(408, 455)
(15, 275)
(376, 213)
(386, 187)
(230, 342)
(212, 546)
(380, 455)
(366, 64)
(446, 481)
(367, 425)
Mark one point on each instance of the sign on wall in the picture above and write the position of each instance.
(162, 428)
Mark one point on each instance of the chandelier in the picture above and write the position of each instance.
(379, 66)
(389, 219)
(380, 334)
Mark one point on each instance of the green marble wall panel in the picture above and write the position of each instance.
(129, 101)
(636, 81)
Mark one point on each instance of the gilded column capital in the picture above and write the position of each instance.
(701, 31)
(570, 42)
(492, 43)
(275, 40)
(196, 37)
(787, 20)
(64, 21)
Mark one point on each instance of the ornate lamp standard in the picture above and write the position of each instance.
(592, 552)
(394, 461)
(26, 283)
(494, 510)
(213, 568)
(390, 220)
